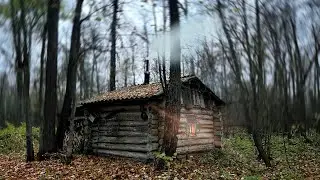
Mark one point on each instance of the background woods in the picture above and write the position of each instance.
(260, 56)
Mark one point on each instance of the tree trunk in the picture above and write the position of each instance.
(71, 132)
(19, 97)
(258, 143)
(16, 33)
(47, 136)
(172, 117)
(133, 63)
(97, 77)
(126, 69)
(26, 84)
(3, 86)
(42, 61)
(29, 144)
(112, 81)
(70, 93)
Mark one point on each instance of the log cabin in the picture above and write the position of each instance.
(130, 122)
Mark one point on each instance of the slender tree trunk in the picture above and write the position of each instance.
(126, 68)
(173, 104)
(112, 81)
(133, 62)
(47, 136)
(16, 33)
(145, 32)
(26, 83)
(164, 70)
(42, 61)
(92, 75)
(3, 80)
(71, 132)
(27, 109)
(84, 81)
(19, 98)
(70, 93)
(97, 77)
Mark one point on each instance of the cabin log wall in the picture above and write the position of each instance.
(124, 133)
(204, 139)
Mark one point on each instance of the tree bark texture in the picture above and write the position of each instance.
(42, 61)
(112, 81)
(47, 136)
(70, 94)
(172, 116)
(26, 84)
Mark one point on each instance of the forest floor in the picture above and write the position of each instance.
(237, 160)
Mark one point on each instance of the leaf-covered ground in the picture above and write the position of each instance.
(237, 160)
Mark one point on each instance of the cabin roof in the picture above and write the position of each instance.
(129, 93)
(142, 91)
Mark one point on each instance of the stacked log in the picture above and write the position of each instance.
(125, 133)
(205, 138)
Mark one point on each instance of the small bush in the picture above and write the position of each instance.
(163, 161)
(12, 139)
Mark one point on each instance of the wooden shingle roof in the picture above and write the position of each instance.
(143, 91)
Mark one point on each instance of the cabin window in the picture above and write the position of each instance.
(192, 125)
(192, 98)
(192, 129)
(198, 99)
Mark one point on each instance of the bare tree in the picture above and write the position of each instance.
(255, 73)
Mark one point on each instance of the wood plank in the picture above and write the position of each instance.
(205, 117)
(192, 142)
(129, 115)
(199, 135)
(123, 140)
(123, 123)
(196, 148)
(196, 111)
(126, 147)
(121, 128)
(207, 126)
(201, 121)
(119, 133)
(136, 155)
(131, 108)
(205, 130)
(120, 122)
(207, 122)
(201, 126)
